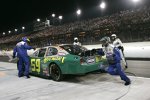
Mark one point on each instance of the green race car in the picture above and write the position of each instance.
(57, 61)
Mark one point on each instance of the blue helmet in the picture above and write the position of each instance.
(25, 39)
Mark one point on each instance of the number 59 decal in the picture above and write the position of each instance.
(35, 65)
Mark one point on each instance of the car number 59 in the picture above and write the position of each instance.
(35, 65)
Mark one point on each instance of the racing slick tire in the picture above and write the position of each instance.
(55, 72)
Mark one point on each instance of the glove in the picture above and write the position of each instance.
(114, 55)
(93, 51)
(13, 57)
(101, 52)
(34, 48)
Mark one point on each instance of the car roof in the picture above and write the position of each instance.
(56, 45)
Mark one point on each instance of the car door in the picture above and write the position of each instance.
(35, 61)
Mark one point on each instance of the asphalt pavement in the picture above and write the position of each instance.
(92, 86)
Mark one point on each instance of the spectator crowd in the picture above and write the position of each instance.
(129, 25)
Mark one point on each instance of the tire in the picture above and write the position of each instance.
(55, 72)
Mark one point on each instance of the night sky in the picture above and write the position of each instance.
(16, 13)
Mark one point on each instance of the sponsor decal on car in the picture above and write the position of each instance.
(45, 71)
(98, 58)
(90, 60)
(47, 59)
(61, 53)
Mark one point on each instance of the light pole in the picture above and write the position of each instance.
(78, 12)
(60, 18)
(102, 7)
(16, 30)
(23, 28)
(53, 16)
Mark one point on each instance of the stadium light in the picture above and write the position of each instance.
(53, 15)
(3, 33)
(78, 12)
(135, 1)
(9, 31)
(23, 27)
(16, 30)
(103, 5)
(60, 17)
(38, 20)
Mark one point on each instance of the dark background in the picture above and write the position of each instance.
(16, 13)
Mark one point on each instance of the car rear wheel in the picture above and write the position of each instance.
(55, 72)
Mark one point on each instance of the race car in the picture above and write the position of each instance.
(57, 61)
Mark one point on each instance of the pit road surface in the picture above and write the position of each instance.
(93, 86)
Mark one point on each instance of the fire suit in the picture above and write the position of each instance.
(21, 50)
(77, 43)
(117, 43)
(113, 57)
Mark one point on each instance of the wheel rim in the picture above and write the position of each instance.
(55, 72)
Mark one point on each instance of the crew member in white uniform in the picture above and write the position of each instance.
(117, 43)
(76, 41)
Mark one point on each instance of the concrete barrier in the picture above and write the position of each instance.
(131, 50)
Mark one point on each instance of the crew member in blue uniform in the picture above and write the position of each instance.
(114, 59)
(21, 51)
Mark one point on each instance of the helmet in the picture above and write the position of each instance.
(105, 40)
(113, 35)
(25, 39)
(75, 38)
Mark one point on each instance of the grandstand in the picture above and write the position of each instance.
(129, 25)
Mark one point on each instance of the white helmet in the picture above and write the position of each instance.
(75, 38)
(113, 35)
(105, 40)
